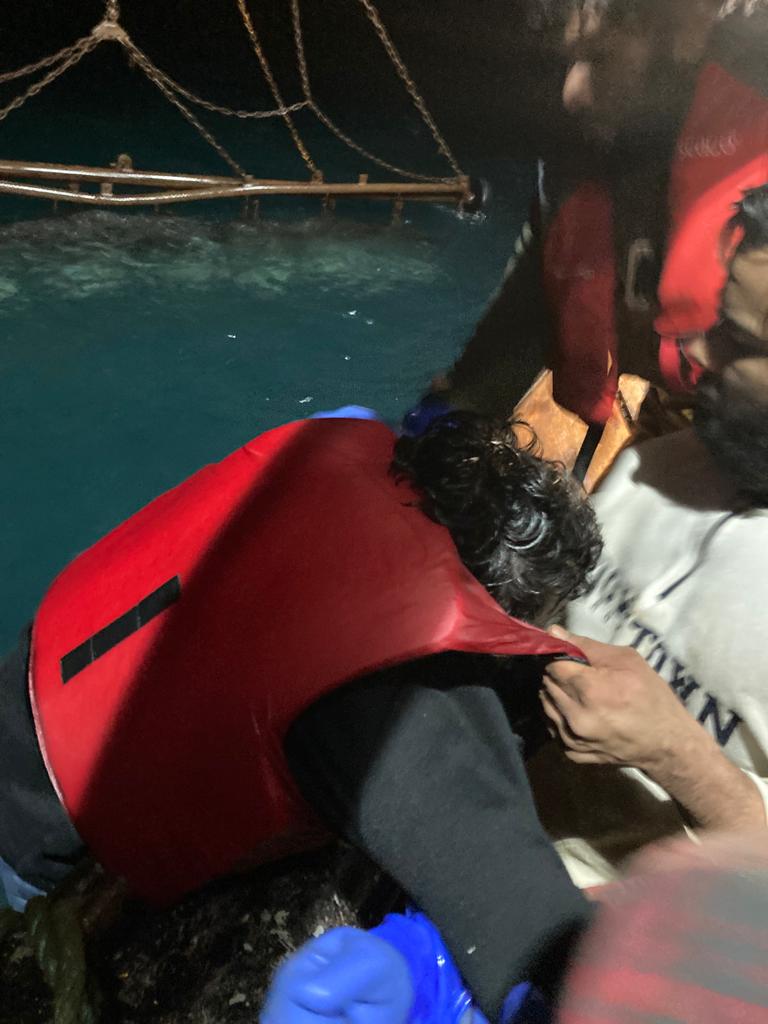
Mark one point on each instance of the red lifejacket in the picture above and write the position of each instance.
(170, 658)
(722, 151)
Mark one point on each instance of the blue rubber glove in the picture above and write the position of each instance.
(420, 418)
(399, 973)
(441, 997)
(346, 975)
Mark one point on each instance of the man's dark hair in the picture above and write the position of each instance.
(732, 426)
(522, 527)
(751, 218)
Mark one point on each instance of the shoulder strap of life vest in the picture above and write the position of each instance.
(722, 152)
(170, 658)
(580, 280)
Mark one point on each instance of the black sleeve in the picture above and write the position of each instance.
(429, 780)
(512, 341)
(37, 838)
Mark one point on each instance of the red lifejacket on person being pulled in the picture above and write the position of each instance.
(170, 658)
(721, 153)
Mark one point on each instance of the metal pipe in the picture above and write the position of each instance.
(437, 192)
(19, 169)
(159, 179)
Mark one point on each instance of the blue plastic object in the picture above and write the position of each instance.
(415, 422)
(348, 412)
(398, 973)
(526, 1005)
(440, 995)
(421, 417)
(17, 892)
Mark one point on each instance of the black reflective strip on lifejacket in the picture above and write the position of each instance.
(113, 634)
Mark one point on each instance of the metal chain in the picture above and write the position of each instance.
(215, 108)
(69, 56)
(149, 70)
(78, 50)
(267, 70)
(348, 141)
(301, 55)
(46, 62)
(410, 85)
(76, 54)
(113, 14)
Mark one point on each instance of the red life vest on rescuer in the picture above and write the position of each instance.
(170, 658)
(721, 153)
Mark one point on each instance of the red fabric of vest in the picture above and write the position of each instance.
(301, 565)
(722, 151)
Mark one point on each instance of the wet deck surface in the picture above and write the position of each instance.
(209, 959)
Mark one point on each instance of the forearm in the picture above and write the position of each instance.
(435, 791)
(712, 792)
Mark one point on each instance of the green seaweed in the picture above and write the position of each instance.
(55, 933)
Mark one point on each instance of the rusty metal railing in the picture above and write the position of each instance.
(96, 186)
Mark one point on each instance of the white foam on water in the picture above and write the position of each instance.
(96, 254)
(8, 289)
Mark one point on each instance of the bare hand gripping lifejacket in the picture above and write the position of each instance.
(722, 151)
(170, 658)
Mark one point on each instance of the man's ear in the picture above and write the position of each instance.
(694, 20)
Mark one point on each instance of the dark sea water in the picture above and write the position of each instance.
(133, 349)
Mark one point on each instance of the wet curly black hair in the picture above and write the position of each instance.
(522, 527)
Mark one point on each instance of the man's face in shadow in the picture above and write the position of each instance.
(625, 65)
(608, 73)
(731, 410)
